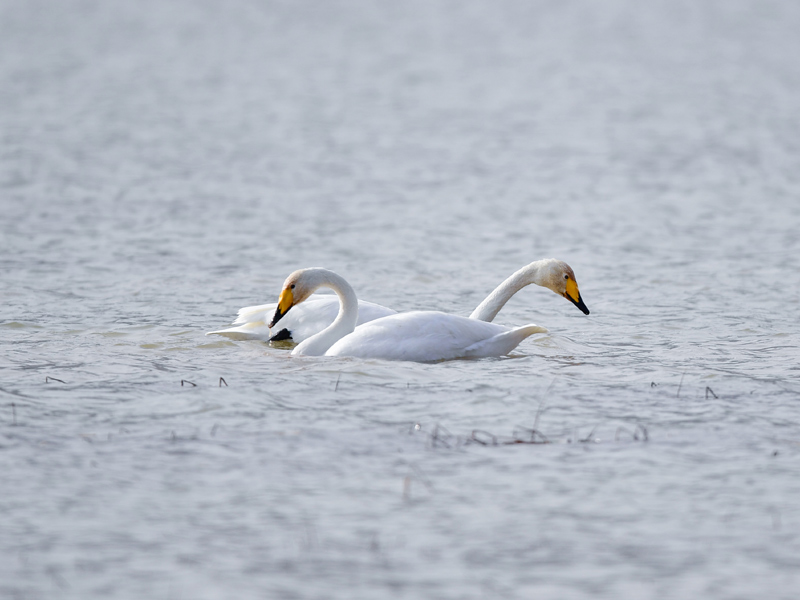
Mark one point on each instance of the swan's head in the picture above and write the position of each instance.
(559, 277)
(297, 287)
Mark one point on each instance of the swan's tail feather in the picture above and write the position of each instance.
(250, 324)
(249, 331)
(502, 343)
(249, 314)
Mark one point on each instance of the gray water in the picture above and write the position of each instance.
(163, 164)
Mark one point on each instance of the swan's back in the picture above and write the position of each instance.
(423, 336)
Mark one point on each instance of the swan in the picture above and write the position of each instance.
(319, 311)
(420, 336)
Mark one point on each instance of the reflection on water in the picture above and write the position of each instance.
(164, 166)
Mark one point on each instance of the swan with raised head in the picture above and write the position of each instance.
(319, 311)
(415, 336)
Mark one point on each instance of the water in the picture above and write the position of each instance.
(164, 164)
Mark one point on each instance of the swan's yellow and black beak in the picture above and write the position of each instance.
(573, 295)
(285, 302)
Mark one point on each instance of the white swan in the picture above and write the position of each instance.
(319, 311)
(415, 336)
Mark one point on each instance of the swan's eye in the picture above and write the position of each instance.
(292, 286)
(565, 277)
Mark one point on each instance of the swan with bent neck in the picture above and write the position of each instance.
(419, 335)
(319, 311)
(554, 274)
(299, 286)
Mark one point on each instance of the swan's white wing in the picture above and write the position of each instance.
(427, 336)
(303, 321)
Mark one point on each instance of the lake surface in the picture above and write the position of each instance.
(164, 164)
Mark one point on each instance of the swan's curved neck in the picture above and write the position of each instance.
(344, 323)
(488, 309)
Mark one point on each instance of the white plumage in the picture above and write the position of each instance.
(423, 336)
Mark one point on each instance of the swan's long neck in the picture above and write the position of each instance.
(488, 309)
(344, 323)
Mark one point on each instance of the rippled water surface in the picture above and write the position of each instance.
(164, 163)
